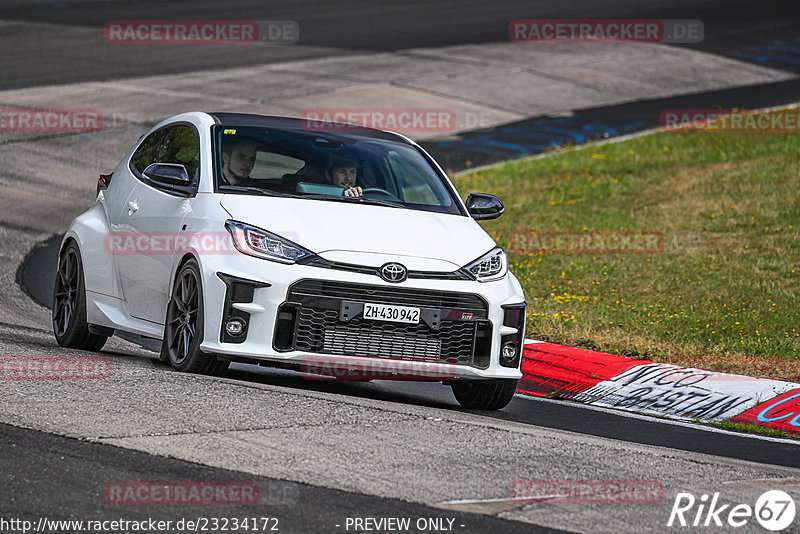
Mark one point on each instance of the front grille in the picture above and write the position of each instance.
(320, 328)
(326, 289)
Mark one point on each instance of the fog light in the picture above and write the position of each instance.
(235, 326)
(509, 352)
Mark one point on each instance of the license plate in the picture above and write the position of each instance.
(393, 314)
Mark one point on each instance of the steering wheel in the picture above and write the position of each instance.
(380, 192)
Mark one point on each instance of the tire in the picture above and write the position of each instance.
(183, 327)
(69, 304)
(492, 395)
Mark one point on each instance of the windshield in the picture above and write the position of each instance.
(324, 166)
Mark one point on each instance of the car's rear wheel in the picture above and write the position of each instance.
(69, 304)
(490, 395)
(183, 329)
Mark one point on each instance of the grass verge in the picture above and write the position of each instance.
(721, 289)
(749, 428)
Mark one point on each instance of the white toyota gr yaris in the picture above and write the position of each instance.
(338, 251)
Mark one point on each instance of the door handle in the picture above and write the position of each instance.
(133, 207)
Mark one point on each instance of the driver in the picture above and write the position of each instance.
(238, 159)
(342, 171)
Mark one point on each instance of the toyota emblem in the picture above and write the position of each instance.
(394, 272)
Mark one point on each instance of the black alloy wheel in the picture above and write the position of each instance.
(69, 304)
(183, 328)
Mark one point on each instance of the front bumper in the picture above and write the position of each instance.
(295, 315)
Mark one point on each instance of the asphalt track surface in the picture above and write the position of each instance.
(38, 463)
(536, 134)
(330, 28)
(41, 470)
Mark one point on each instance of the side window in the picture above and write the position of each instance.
(146, 154)
(181, 145)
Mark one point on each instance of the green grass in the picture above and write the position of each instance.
(752, 429)
(723, 294)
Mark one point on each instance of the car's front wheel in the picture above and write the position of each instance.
(69, 304)
(183, 329)
(490, 395)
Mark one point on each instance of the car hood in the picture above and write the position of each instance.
(349, 230)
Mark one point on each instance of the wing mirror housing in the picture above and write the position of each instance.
(482, 206)
(170, 177)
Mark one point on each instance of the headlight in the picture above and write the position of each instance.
(262, 244)
(491, 266)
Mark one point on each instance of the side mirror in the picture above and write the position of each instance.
(170, 177)
(167, 174)
(482, 206)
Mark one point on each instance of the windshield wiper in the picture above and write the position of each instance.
(271, 193)
(265, 192)
(377, 202)
(361, 200)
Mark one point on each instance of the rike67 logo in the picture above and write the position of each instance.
(774, 510)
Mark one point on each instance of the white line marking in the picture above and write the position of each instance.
(526, 500)
(771, 479)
